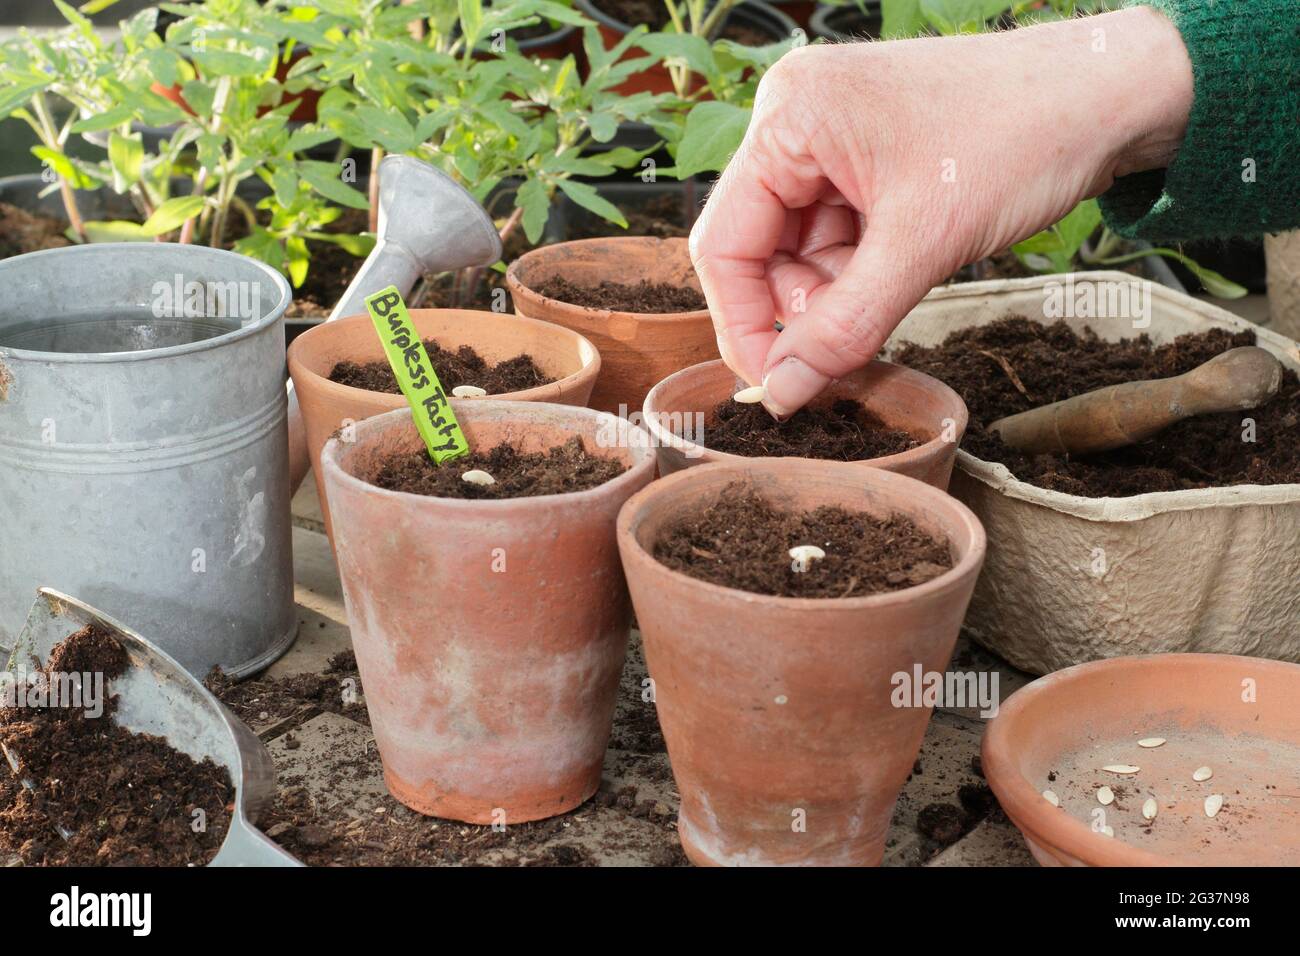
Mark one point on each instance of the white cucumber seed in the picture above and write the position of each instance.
(1123, 769)
(1201, 774)
(1150, 742)
(1150, 808)
(1051, 797)
(468, 391)
(751, 396)
(477, 476)
(1105, 796)
(804, 555)
(1213, 804)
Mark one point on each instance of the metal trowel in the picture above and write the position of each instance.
(155, 695)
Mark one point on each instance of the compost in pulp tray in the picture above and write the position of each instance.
(416, 377)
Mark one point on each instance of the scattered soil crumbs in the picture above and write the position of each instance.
(127, 799)
(643, 298)
(22, 232)
(1013, 365)
(741, 541)
(843, 431)
(559, 470)
(380, 831)
(262, 700)
(462, 367)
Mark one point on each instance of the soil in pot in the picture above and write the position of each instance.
(1015, 364)
(660, 216)
(462, 367)
(644, 298)
(128, 799)
(22, 232)
(842, 431)
(559, 470)
(742, 541)
(653, 13)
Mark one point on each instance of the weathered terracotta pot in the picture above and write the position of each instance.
(1234, 714)
(777, 711)
(902, 398)
(327, 406)
(637, 349)
(490, 635)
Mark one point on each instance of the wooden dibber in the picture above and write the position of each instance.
(1125, 414)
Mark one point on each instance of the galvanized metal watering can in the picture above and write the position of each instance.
(143, 446)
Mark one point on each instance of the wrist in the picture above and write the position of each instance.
(1145, 89)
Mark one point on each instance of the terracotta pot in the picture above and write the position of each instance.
(1233, 714)
(490, 635)
(637, 349)
(327, 406)
(900, 397)
(771, 706)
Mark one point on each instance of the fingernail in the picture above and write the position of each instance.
(790, 386)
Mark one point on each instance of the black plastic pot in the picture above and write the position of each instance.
(627, 196)
(842, 23)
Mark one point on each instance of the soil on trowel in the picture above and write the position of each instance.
(643, 298)
(126, 799)
(741, 541)
(559, 470)
(462, 367)
(1014, 364)
(842, 431)
(22, 232)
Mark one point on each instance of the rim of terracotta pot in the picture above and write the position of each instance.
(519, 288)
(323, 332)
(665, 437)
(637, 447)
(908, 496)
(1038, 820)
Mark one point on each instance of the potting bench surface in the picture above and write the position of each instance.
(327, 760)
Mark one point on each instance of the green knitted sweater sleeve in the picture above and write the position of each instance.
(1235, 173)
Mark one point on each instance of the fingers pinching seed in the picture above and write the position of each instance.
(751, 396)
(476, 476)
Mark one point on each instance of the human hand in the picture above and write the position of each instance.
(871, 172)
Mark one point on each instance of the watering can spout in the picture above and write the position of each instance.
(428, 223)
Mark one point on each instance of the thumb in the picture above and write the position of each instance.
(847, 321)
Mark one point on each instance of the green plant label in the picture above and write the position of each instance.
(434, 418)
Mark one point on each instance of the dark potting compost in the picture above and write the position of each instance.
(644, 297)
(1014, 364)
(559, 470)
(462, 367)
(842, 431)
(22, 232)
(742, 541)
(127, 799)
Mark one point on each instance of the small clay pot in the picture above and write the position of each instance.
(900, 397)
(1236, 715)
(637, 349)
(490, 635)
(328, 406)
(777, 711)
